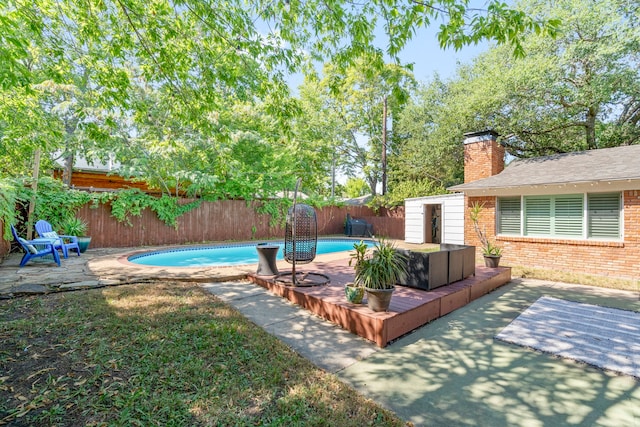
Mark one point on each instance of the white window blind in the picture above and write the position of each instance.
(537, 216)
(604, 215)
(509, 215)
(562, 216)
(568, 215)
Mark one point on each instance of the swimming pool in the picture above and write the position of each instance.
(226, 255)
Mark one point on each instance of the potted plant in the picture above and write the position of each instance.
(73, 226)
(490, 251)
(378, 272)
(354, 291)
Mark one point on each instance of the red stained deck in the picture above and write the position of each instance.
(410, 308)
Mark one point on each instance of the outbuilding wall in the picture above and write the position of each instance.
(452, 221)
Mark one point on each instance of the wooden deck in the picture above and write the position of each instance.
(410, 308)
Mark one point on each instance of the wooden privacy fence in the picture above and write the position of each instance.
(227, 220)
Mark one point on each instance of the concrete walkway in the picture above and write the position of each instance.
(451, 372)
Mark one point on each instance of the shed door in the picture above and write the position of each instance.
(432, 223)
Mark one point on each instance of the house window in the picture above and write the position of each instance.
(604, 215)
(509, 216)
(561, 216)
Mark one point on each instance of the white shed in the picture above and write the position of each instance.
(434, 219)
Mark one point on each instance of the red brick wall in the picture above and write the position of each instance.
(485, 221)
(482, 159)
(615, 259)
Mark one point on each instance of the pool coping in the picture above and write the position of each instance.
(110, 267)
(126, 257)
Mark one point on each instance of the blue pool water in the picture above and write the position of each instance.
(218, 256)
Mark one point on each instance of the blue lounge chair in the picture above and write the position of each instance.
(63, 243)
(31, 248)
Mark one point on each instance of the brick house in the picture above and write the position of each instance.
(577, 212)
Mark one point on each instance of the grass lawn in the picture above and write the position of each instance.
(166, 354)
(578, 278)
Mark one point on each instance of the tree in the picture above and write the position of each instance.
(24, 128)
(429, 154)
(355, 187)
(167, 84)
(317, 133)
(357, 96)
(342, 31)
(579, 91)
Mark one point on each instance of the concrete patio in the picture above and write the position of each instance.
(452, 372)
(98, 268)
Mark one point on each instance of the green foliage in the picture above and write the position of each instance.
(59, 204)
(357, 95)
(55, 202)
(342, 31)
(276, 209)
(196, 103)
(131, 202)
(578, 91)
(428, 155)
(488, 248)
(355, 187)
(169, 209)
(73, 226)
(127, 203)
(382, 268)
(407, 189)
(491, 250)
(357, 257)
(9, 193)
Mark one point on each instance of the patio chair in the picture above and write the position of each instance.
(31, 249)
(63, 243)
(300, 243)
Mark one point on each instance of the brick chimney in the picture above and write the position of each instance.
(483, 156)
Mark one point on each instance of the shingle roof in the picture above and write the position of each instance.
(605, 164)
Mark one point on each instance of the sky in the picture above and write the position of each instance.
(429, 58)
(426, 54)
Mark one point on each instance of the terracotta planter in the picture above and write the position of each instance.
(491, 261)
(379, 299)
(354, 293)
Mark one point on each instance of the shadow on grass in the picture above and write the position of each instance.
(159, 354)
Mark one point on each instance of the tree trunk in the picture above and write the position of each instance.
(373, 183)
(590, 128)
(67, 172)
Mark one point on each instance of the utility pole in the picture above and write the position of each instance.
(333, 175)
(384, 146)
